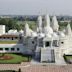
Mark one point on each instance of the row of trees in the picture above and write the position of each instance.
(13, 24)
(62, 25)
(10, 24)
(24, 18)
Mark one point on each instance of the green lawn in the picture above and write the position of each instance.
(69, 57)
(16, 59)
(8, 42)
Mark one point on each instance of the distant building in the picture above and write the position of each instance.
(2, 29)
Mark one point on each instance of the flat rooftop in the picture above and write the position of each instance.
(4, 35)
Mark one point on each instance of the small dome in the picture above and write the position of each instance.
(21, 31)
(48, 30)
(62, 34)
(12, 31)
(41, 35)
(33, 34)
(55, 35)
(48, 35)
(64, 30)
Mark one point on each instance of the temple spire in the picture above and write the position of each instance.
(39, 24)
(26, 30)
(47, 28)
(47, 20)
(68, 30)
(55, 25)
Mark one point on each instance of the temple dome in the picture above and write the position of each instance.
(55, 35)
(33, 34)
(12, 31)
(61, 34)
(48, 35)
(41, 35)
(21, 31)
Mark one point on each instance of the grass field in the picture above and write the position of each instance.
(17, 58)
(69, 57)
(8, 42)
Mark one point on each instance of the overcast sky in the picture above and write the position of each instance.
(30, 7)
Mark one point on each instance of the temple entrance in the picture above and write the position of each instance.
(47, 44)
(47, 55)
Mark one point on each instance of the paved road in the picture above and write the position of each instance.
(27, 67)
(13, 66)
(49, 68)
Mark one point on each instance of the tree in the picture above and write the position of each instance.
(4, 21)
(10, 24)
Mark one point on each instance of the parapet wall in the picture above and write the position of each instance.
(14, 48)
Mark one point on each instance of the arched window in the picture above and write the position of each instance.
(62, 42)
(7, 49)
(18, 49)
(1, 49)
(12, 49)
(32, 42)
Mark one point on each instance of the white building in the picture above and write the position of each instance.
(2, 29)
(47, 43)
